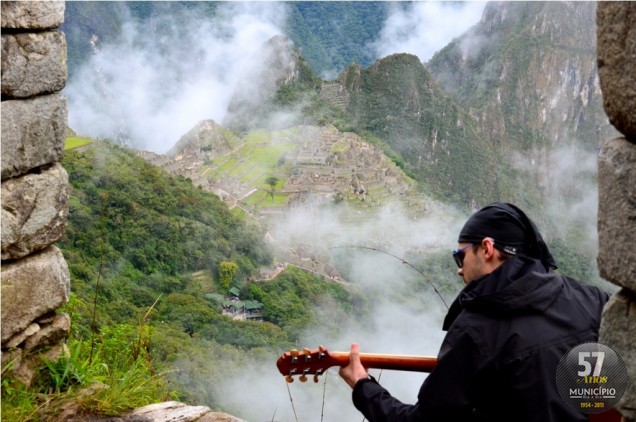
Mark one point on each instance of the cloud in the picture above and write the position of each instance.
(566, 176)
(423, 28)
(167, 74)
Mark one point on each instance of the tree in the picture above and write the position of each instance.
(271, 181)
(227, 271)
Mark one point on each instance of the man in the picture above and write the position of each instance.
(507, 331)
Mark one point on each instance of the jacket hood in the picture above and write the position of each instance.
(521, 285)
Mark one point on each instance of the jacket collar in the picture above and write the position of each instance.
(521, 285)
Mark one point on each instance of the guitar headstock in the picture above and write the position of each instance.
(305, 362)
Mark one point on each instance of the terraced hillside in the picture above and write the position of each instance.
(266, 173)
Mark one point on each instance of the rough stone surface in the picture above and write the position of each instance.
(32, 14)
(33, 63)
(28, 368)
(32, 133)
(617, 331)
(617, 212)
(31, 287)
(11, 358)
(616, 46)
(20, 337)
(50, 333)
(175, 411)
(34, 211)
(46, 318)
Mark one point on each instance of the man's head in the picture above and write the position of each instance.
(494, 234)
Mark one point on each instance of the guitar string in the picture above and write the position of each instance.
(291, 401)
(324, 392)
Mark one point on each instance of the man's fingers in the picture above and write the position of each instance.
(355, 349)
(354, 354)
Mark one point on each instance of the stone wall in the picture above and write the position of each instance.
(35, 277)
(616, 37)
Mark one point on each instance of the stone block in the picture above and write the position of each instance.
(34, 211)
(617, 212)
(17, 339)
(617, 331)
(31, 363)
(32, 287)
(33, 133)
(50, 334)
(33, 63)
(32, 14)
(169, 411)
(616, 50)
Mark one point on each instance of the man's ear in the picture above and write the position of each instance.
(488, 246)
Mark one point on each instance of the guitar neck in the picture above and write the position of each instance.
(317, 361)
(394, 362)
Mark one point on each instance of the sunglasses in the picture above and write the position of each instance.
(459, 254)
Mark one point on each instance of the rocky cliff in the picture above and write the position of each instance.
(527, 74)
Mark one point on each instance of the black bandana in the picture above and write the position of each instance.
(511, 229)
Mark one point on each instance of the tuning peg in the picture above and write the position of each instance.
(303, 378)
(289, 379)
(315, 378)
(307, 354)
(322, 351)
(294, 356)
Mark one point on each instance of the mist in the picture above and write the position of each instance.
(165, 75)
(568, 180)
(404, 319)
(423, 28)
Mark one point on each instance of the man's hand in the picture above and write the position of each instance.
(353, 372)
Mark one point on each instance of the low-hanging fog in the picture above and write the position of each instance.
(401, 321)
(423, 28)
(162, 76)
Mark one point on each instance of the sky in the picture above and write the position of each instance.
(149, 91)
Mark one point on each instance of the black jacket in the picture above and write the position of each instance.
(506, 335)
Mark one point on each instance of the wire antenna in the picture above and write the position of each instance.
(404, 261)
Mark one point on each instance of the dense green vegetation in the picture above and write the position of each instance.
(332, 35)
(399, 102)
